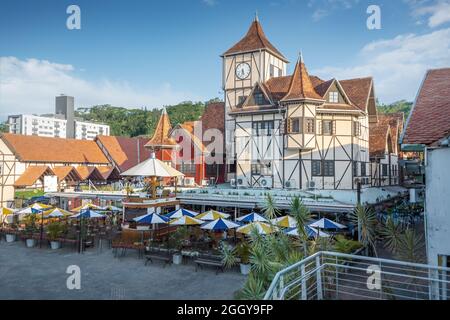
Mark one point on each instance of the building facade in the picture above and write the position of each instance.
(60, 125)
(294, 131)
(428, 130)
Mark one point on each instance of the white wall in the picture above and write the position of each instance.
(437, 199)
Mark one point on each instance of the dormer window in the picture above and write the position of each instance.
(333, 97)
(259, 98)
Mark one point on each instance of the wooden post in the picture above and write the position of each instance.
(153, 183)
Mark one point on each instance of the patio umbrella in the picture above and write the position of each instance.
(111, 208)
(311, 232)
(252, 217)
(88, 213)
(262, 227)
(151, 218)
(34, 206)
(180, 213)
(152, 168)
(186, 221)
(325, 223)
(56, 213)
(212, 215)
(285, 222)
(87, 206)
(220, 225)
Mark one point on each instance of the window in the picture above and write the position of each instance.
(259, 98)
(241, 100)
(294, 125)
(187, 167)
(384, 170)
(356, 128)
(355, 168)
(272, 70)
(322, 168)
(327, 127)
(328, 168)
(333, 97)
(309, 125)
(316, 168)
(261, 128)
(213, 169)
(262, 168)
(363, 169)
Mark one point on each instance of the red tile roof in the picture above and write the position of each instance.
(54, 150)
(66, 172)
(255, 39)
(161, 138)
(301, 86)
(358, 91)
(214, 116)
(124, 152)
(109, 173)
(429, 121)
(89, 172)
(388, 125)
(32, 174)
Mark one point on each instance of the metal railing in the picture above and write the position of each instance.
(337, 276)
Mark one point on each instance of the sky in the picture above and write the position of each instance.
(150, 53)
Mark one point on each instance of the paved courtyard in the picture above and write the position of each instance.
(33, 273)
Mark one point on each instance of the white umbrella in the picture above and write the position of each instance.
(186, 221)
(88, 214)
(152, 168)
(212, 215)
(311, 232)
(325, 223)
(252, 217)
(220, 225)
(56, 213)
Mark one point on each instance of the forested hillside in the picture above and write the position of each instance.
(399, 106)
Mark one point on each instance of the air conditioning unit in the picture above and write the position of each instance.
(266, 182)
(290, 184)
(241, 182)
(311, 184)
(205, 182)
(189, 181)
(233, 183)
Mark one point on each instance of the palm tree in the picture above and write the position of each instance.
(366, 220)
(301, 215)
(411, 246)
(270, 207)
(391, 232)
(254, 289)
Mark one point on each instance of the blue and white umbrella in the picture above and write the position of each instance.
(325, 223)
(220, 225)
(252, 217)
(151, 218)
(180, 213)
(88, 214)
(310, 232)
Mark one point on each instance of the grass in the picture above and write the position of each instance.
(28, 194)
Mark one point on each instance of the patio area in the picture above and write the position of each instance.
(33, 273)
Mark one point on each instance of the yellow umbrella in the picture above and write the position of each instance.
(87, 206)
(212, 215)
(285, 222)
(261, 227)
(56, 213)
(36, 206)
(186, 221)
(7, 211)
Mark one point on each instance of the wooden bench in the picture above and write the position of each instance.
(218, 264)
(167, 258)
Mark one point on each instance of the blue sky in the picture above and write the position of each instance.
(150, 53)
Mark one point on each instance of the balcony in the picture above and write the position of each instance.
(337, 276)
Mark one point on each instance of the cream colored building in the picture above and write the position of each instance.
(293, 131)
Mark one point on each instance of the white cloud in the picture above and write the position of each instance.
(437, 12)
(398, 64)
(30, 86)
(210, 3)
(326, 7)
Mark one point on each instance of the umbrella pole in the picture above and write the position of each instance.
(153, 182)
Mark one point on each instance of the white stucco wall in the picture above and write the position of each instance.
(437, 198)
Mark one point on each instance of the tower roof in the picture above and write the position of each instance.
(161, 138)
(254, 40)
(301, 86)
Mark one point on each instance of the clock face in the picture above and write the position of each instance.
(243, 70)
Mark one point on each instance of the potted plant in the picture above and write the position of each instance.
(243, 252)
(54, 230)
(12, 228)
(176, 242)
(30, 229)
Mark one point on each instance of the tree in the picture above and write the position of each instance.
(4, 127)
(270, 207)
(366, 220)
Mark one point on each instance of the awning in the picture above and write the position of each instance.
(32, 174)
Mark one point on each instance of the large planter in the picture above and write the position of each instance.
(55, 245)
(30, 243)
(245, 268)
(10, 237)
(177, 258)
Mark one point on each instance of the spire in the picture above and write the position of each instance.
(301, 86)
(161, 137)
(255, 40)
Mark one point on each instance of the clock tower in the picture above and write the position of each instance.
(251, 60)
